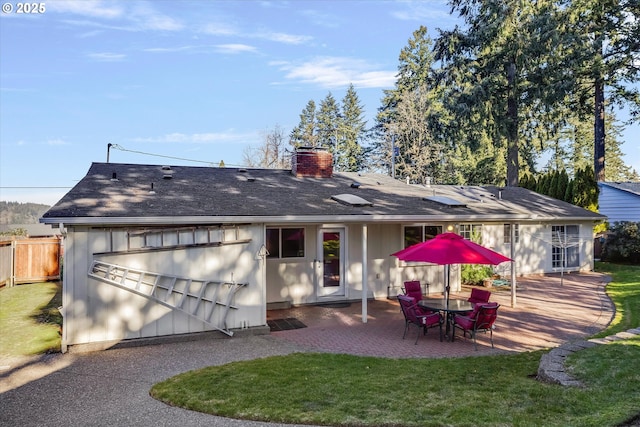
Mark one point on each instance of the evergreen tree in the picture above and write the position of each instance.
(352, 133)
(599, 43)
(563, 183)
(304, 135)
(339, 128)
(553, 185)
(568, 194)
(585, 190)
(328, 124)
(545, 184)
(488, 64)
(575, 145)
(617, 170)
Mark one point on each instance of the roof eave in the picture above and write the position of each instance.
(358, 218)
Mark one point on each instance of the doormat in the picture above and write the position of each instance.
(335, 304)
(285, 324)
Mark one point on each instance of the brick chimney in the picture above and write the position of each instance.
(312, 162)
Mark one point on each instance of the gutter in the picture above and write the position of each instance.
(359, 219)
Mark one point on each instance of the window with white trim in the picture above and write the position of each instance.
(565, 250)
(507, 233)
(285, 242)
(471, 232)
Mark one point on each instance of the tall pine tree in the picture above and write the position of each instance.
(352, 132)
(305, 133)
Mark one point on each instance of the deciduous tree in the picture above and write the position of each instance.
(271, 153)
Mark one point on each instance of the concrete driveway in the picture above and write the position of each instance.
(111, 388)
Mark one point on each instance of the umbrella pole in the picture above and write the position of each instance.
(448, 283)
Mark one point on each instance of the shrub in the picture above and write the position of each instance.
(473, 274)
(622, 243)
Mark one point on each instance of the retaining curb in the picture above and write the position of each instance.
(552, 370)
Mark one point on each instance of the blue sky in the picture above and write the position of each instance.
(197, 80)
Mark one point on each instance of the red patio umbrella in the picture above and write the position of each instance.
(450, 248)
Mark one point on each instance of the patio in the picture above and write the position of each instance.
(546, 315)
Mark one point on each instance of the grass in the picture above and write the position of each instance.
(345, 390)
(624, 291)
(29, 319)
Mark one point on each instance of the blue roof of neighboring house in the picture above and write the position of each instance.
(630, 187)
(620, 201)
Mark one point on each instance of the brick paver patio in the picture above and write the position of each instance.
(547, 314)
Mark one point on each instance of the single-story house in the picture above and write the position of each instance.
(619, 201)
(157, 250)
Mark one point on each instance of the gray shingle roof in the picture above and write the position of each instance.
(224, 193)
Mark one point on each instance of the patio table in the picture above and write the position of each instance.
(449, 307)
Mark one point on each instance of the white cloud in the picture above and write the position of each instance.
(92, 8)
(149, 19)
(235, 48)
(224, 29)
(229, 48)
(96, 24)
(284, 38)
(88, 34)
(123, 16)
(333, 72)
(185, 48)
(219, 29)
(106, 56)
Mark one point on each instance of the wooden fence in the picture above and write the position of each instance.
(29, 260)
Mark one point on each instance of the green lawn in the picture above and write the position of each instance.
(624, 291)
(344, 390)
(29, 319)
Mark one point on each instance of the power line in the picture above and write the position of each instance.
(212, 164)
(18, 188)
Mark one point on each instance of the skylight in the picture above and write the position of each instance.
(447, 201)
(351, 200)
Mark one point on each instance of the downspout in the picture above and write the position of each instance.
(513, 264)
(12, 272)
(64, 339)
(365, 285)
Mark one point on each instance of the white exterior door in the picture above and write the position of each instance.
(331, 262)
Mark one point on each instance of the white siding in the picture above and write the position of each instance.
(533, 251)
(292, 279)
(96, 311)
